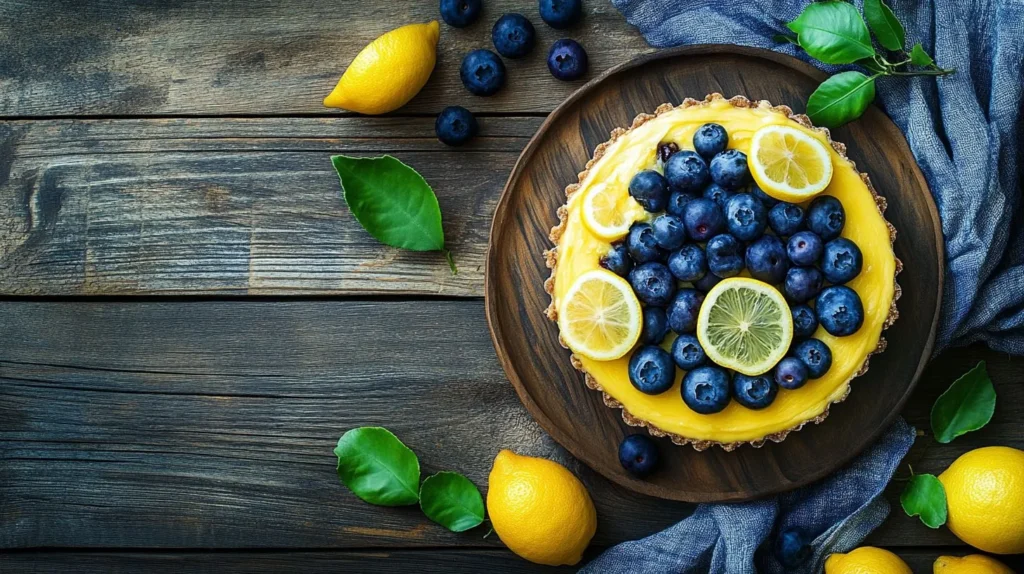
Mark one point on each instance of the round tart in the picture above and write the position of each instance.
(579, 250)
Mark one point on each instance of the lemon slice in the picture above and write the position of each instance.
(609, 210)
(745, 325)
(600, 316)
(788, 163)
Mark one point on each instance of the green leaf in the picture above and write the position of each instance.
(871, 65)
(967, 405)
(784, 39)
(884, 24)
(377, 467)
(833, 32)
(924, 496)
(451, 500)
(391, 201)
(919, 57)
(841, 99)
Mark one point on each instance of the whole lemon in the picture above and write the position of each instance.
(539, 509)
(389, 71)
(866, 560)
(985, 497)
(973, 564)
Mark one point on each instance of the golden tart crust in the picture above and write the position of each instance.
(551, 259)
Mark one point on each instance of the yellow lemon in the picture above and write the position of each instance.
(388, 72)
(600, 317)
(985, 496)
(539, 509)
(866, 560)
(973, 564)
(745, 325)
(789, 164)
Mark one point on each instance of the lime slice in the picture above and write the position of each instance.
(600, 316)
(745, 325)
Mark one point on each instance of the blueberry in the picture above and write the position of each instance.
(815, 355)
(669, 231)
(759, 193)
(703, 219)
(561, 14)
(651, 370)
(705, 283)
(617, 260)
(682, 312)
(841, 261)
(706, 390)
(677, 201)
(665, 151)
(638, 453)
(455, 125)
(655, 326)
(460, 13)
(791, 373)
(687, 352)
(686, 171)
(826, 217)
(725, 255)
(710, 139)
(718, 194)
(786, 218)
(689, 263)
(745, 216)
(482, 72)
(729, 169)
(766, 260)
(805, 322)
(653, 284)
(754, 392)
(802, 284)
(804, 248)
(642, 245)
(513, 36)
(839, 310)
(650, 190)
(792, 547)
(567, 60)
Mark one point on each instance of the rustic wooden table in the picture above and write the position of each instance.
(191, 317)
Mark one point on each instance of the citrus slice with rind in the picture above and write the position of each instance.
(600, 316)
(788, 163)
(609, 211)
(745, 325)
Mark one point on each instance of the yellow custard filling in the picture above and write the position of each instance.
(579, 251)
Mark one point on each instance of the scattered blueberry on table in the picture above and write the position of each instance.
(482, 72)
(513, 36)
(567, 60)
(460, 13)
(561, 14)
(638, 454)
(455, 126)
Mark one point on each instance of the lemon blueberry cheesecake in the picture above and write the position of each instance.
(721, 272)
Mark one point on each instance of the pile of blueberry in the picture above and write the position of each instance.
(483, 72)
(713, 223)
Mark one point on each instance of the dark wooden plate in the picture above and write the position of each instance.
(527, 343)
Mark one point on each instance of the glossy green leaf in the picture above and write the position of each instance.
(924, 496)
(833, 32)
(451, 500)
(784, 39)
(966, 406)
(884, 24)
(377, 467)
(841, 99)
(391, 201)
(919, 57)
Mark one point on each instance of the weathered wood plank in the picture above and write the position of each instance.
(112, 57)
(210, 424)
(385, 562)
(232, 206)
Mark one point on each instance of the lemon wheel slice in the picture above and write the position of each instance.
(600, 316)
(789, 163)
(609, 210)
(745, 325)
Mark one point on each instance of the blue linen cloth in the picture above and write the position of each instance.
(964, 131)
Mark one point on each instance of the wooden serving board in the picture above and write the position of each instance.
(539, 368)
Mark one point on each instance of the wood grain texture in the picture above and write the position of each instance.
(110, 57)
(527, 341)
(232, 206)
